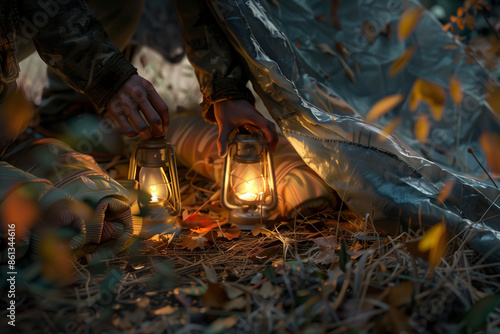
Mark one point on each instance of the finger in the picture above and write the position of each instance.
(161, 108)
(135, 118)
(269, 130)
(117, 111)
(222, 141)
(139, 96)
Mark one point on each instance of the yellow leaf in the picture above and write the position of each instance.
(445, 191)
(435, 241)
(383, 106)
(490, 142)
(422, 128)
(402, 61)
(409, 21)
(456, 90)
(431, 93)
(390, 127)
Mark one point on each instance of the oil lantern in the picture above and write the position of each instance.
(153, 166)
(248, 188)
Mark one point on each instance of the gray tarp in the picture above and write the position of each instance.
(320, 110)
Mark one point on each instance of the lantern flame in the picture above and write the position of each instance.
(251, 193)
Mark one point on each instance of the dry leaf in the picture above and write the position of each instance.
(369, 31)
(20, 209)
(493, 96)
(210, 274)
(387, 30)
(435, 241)
(325, 48)
(232, 233)
(409, 21)
(390, 127)
(456, 90)
(490, 142)
(402, 61)
(256, 229)
(342, 50)
(383, 106)
(348, 72)
(422, 128)
(215, 297)
(445, 191)
(431, 93)
(451, 47)
(192, 243)
(334, 14)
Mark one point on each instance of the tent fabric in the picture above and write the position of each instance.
(320, 97)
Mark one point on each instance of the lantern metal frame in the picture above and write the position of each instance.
(243, 213)
(157, 153)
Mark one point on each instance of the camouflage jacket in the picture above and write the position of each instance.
(69, 39)
(218, 68)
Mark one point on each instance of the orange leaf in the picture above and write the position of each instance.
(197, 220)
(490, 142)
(20, 209)
(456, 90)
(334, 14)
(402, 61)
(409, 21)
(445, 191)
(493, 96)
(461, 23)
(192, 243)
(422, 128)
(383, 106)
(415, 96)
(390, 127)
(232, 233)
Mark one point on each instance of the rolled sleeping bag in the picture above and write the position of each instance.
(28, 206)
(111, 225)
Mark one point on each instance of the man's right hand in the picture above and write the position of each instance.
(231, 114)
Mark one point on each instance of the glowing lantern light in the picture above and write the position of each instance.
(153, 165)
(248, 188)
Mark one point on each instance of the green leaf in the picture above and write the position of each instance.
(269, 273)
(476, 316)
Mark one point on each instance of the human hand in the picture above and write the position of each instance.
(137, 95)
(231, 114)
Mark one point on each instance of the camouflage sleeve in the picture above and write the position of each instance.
(73, 43)
(214, 59)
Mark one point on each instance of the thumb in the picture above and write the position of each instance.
(222, 142)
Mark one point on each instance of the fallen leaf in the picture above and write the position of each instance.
(409, 21)
(348, 72)
(383, 106)
(210, 273)
(192, 243)
(402, 61)
(387, 30)
(391, 126)
(451, 47)
(232, 233)
(435, 240)
(422, 128)
(334, 14)
(325, 48)
(342, 49)
(431, 93)
(490, 142)
(221, 325)
(369, 31)
(215, 297)
(445, 191)
(19, 208)
(197, 220)
(493, 96)
(456, 90)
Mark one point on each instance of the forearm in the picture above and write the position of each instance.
(216, 63)
(73, 43)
